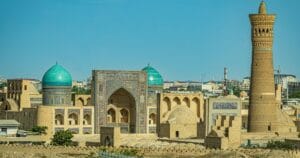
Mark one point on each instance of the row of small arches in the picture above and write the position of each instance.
(16, 86)
(171, 103)
(263, 31)
(176, 101)
(73, 119)
(112, 116)
(124, 116)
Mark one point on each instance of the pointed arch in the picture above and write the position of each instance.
(196, 106)
(81, 101)
(59, 119)
(125, 108)
(176, 101)
(166, 106)
(73, 119)
(88, 101)
(111, 93)
(152, 119)
(87, 119)
(124, 115)
(186, 102)
(111, 115)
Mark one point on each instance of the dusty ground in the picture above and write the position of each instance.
(27, 151)
(229, 154)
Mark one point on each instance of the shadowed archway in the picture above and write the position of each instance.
(125, 106)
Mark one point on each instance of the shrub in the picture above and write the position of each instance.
(62, 138)
(39, 129)
(129, 152)
(280, 145)
(121, 151)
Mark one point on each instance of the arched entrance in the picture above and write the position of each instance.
(124, 104)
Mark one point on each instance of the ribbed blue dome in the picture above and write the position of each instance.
(57, 76)
(154, 78)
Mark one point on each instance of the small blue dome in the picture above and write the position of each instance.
(57, 76)
(154, 78)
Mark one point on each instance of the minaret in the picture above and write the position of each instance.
(265, 114)
(263, 108)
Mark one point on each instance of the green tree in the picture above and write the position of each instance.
(280, 145)
(236, 91)
(2, 85)
(79, 90)
(39, 129)
(295, 95)
(62, 138)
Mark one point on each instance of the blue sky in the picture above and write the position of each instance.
(182, 39)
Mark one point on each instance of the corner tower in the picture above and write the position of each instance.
(264, 113)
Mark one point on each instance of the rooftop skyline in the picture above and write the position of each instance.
(183, 40)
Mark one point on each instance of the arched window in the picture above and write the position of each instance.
(88, 101)
(59, 119)
(81, 101)
(124, 116)
(152, 119)
(196, 106)
(111, 116)
(176, 101)
(168, 103)
(73, 119)
(86, 119)
(186, 102)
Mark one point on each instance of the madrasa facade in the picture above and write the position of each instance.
(126, 99)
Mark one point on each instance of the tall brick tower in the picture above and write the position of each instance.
(264, 112)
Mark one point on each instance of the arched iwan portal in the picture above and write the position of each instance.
(125, 106)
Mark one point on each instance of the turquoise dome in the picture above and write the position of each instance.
(57, 76)
(154, 78)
